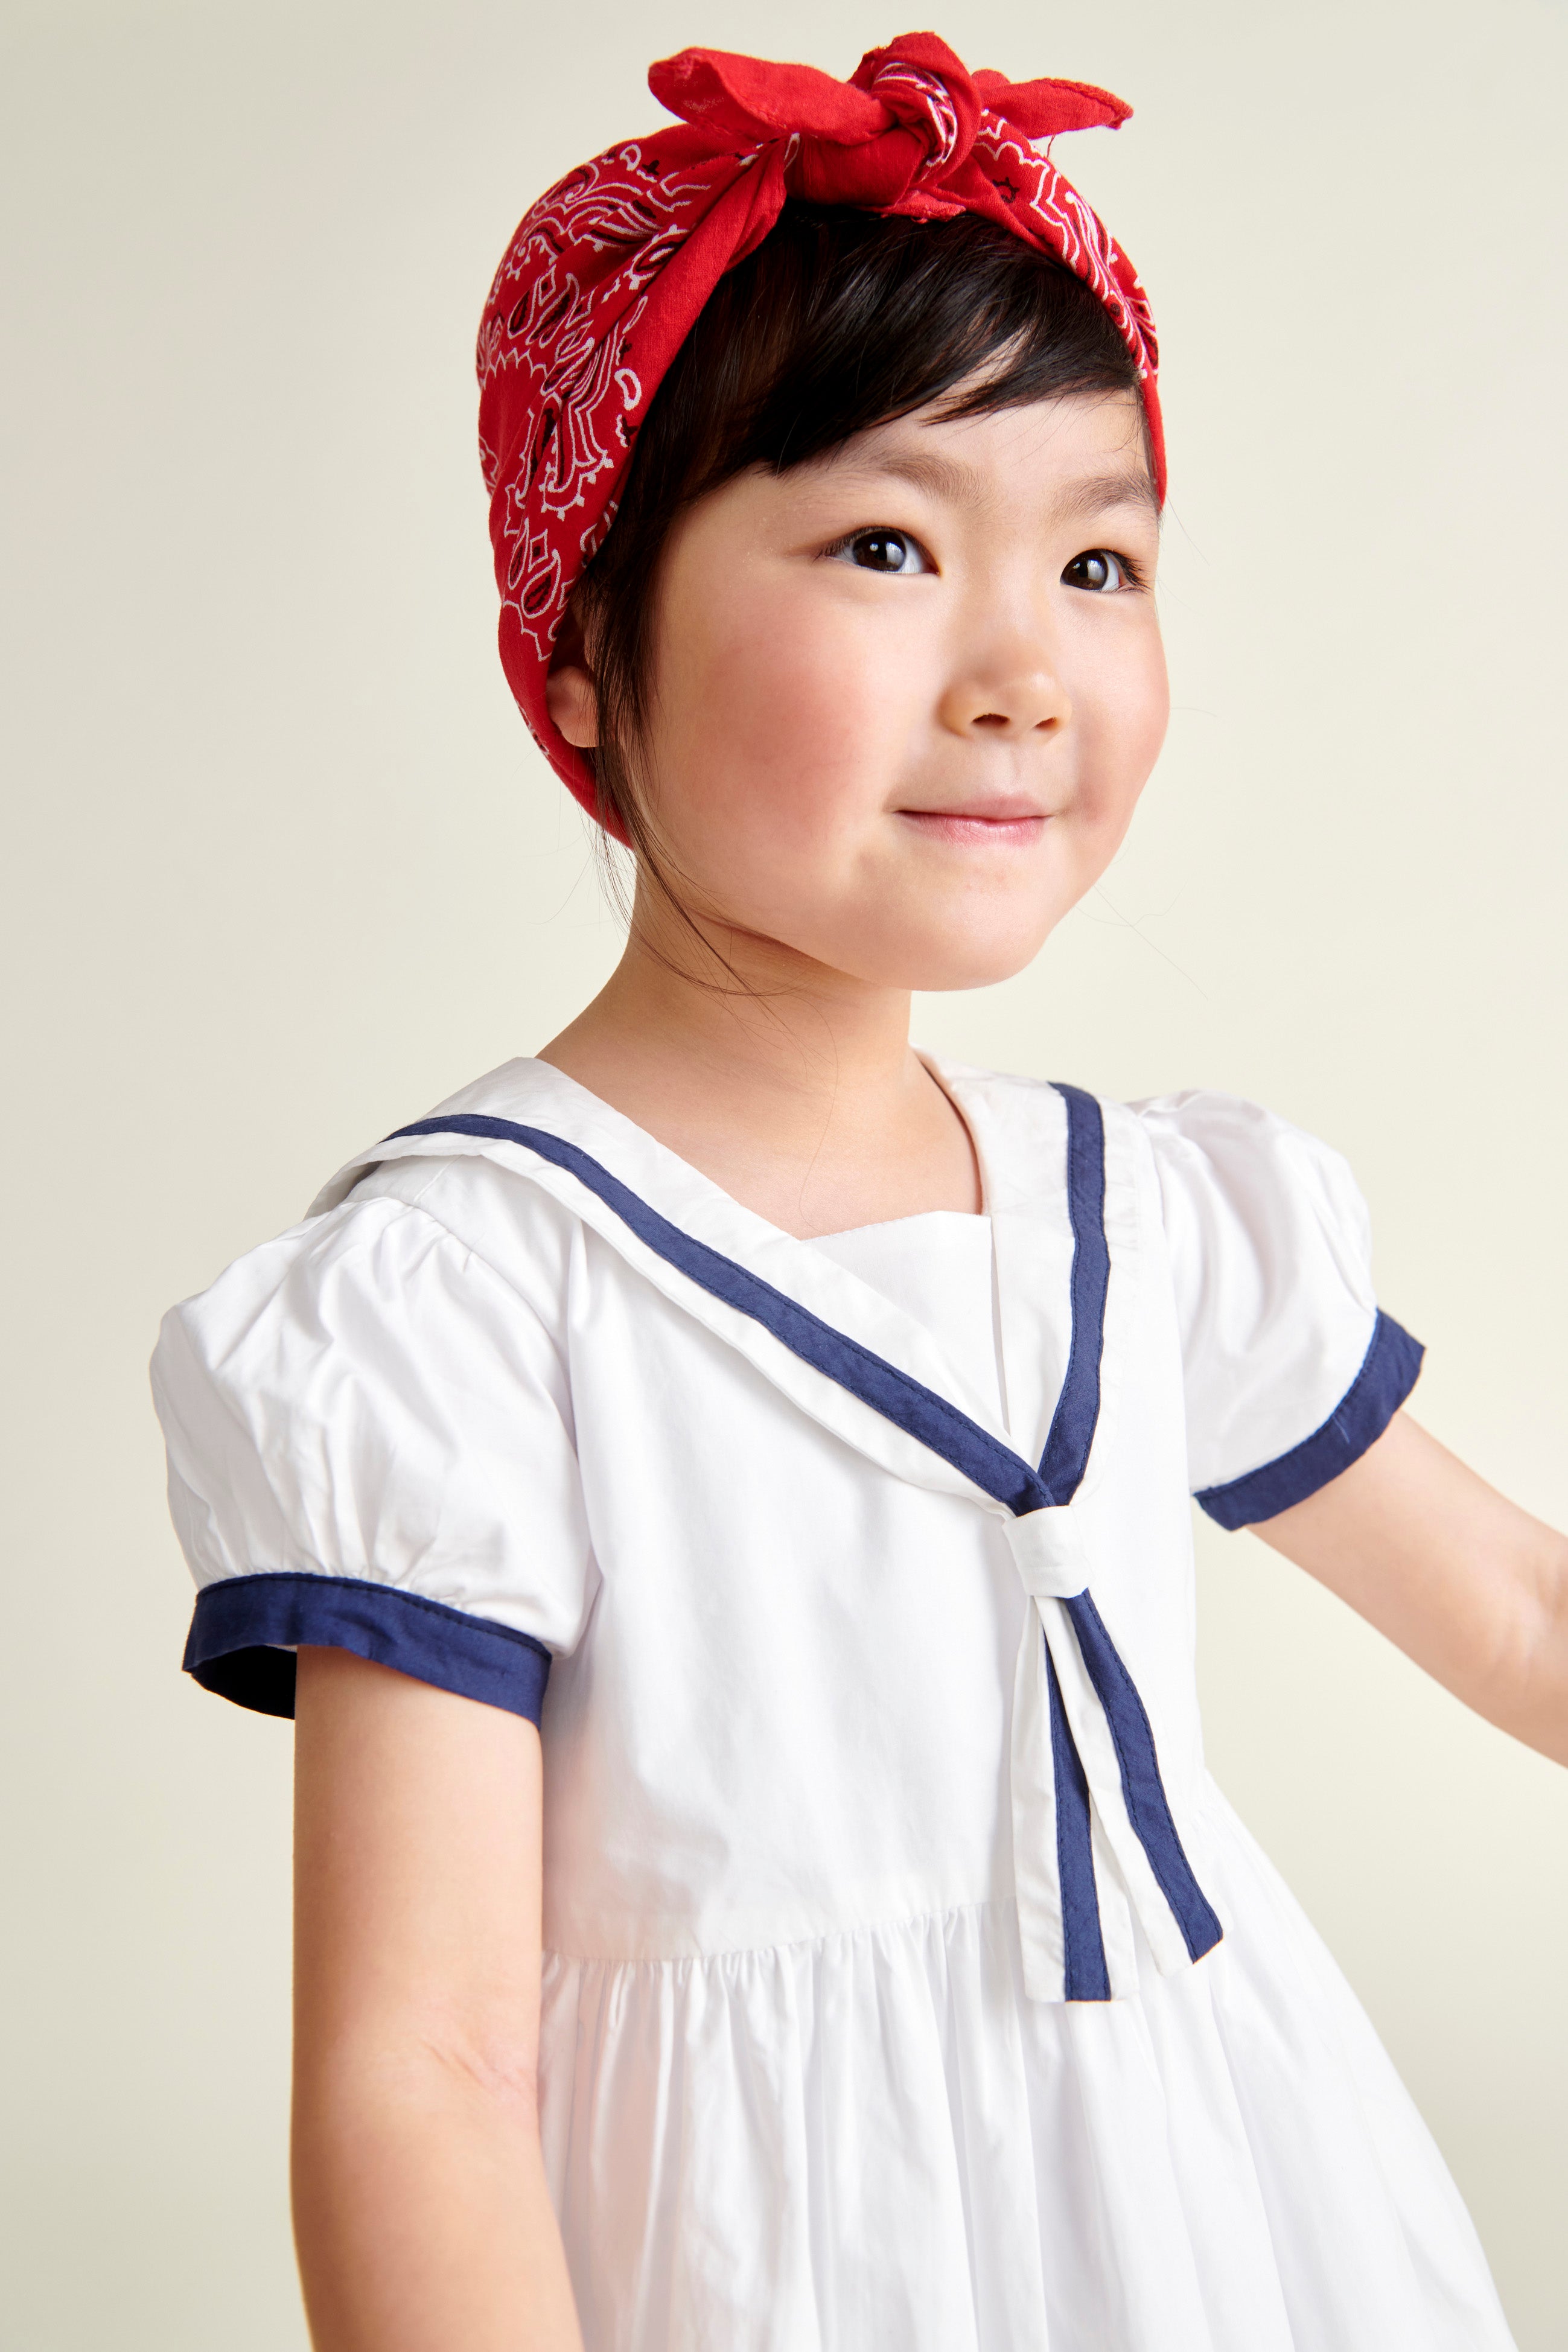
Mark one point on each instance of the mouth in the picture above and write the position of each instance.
(1010, 823)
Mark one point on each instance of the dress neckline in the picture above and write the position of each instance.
(611, 1170)
(975, 1219)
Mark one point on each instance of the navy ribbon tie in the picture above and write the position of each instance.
(1095, 1842)
(1143, 1790)
(1083, 1956)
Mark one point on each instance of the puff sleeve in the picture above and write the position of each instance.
(1291, 1370)
(371, 1448)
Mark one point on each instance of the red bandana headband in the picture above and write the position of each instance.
(607, 274)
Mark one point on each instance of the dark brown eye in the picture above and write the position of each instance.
(884, 550)
(1098, 570)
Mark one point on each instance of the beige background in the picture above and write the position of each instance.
(284, 870)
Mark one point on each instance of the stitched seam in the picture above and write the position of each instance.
(310, 1582)
(449, 1232)
(1385, 1336)
(942, 1916)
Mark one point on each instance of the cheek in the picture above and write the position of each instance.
(1122, 708)
(781, 715)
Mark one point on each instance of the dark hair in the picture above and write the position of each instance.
(841, 319)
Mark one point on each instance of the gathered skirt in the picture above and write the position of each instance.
(877, 2142)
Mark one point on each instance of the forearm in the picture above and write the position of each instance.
(1465, 1582)
(421, 2213)
(1530, 1690)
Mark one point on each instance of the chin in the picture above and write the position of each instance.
(942, 961)
(976, 971)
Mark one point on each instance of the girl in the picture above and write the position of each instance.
(714, 1495)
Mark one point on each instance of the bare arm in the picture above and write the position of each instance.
(420, 2207)
(1468, 1584)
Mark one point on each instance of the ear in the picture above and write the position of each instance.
(570, 695)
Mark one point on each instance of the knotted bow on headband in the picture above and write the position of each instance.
(607, 274)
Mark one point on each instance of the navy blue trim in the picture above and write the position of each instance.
(240, 1625)
(1142, 1786)
(1071, 1434)
(911, 1406)
(1085, 1974)
(1388, 1372)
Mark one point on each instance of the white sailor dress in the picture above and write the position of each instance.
(909, 1986)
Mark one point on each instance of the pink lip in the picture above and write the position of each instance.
(1011, 823)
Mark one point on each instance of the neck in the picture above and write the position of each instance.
(791, 1085)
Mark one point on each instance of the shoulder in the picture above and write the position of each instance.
(1198, 1141)
(1024, 1109)
(1291, 1368)
(1204, 1127)
(465, 1226)
(429, 1193)
(370, 1415)
(1030, 1127)
(1236, 1176)
(478, 1211)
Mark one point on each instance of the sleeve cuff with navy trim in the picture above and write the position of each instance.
(1388, 1373)
(246, 1628)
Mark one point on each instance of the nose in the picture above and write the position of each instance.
(1013, 691)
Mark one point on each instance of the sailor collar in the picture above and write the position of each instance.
(1094, 1838)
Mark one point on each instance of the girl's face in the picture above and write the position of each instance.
(905, 696)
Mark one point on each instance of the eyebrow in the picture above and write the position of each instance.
(1122, 486)
(949, 478)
